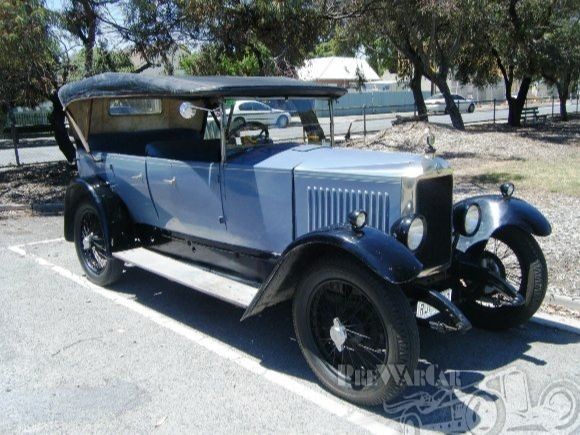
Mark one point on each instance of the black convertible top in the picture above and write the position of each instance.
(127, 84)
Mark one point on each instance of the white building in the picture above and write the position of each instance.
(335, 70)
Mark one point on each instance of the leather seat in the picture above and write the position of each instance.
(134, 143)
(187, 150)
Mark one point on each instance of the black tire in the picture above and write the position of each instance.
(282, 121)
(99, 268)
(238, 121)
(533, 283)
(471, 108)
(385, 308)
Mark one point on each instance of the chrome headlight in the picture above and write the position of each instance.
(410, 231)
(467, 218)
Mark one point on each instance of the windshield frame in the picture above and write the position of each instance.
(225, 119)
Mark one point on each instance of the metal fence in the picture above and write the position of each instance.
(368, 119)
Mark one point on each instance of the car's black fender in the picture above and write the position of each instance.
(117, 228)
(380, 252)
(498, 212)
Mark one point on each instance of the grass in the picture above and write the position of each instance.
(558, 176)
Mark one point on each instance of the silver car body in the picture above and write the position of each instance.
(436, 103)
(256, 111)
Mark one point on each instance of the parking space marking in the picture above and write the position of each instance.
(363, 419)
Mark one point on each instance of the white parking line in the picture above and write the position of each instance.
(363, 419)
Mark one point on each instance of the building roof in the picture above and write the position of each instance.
(127, 85)
(335, 68)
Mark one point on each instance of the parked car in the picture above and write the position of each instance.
(357, 239)
(436, 103)
(256, 111)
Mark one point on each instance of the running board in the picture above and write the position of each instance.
(193, 276)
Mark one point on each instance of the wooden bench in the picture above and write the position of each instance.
(532, 115)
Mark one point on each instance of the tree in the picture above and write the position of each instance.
(560, 56)
(212, 59)
(154, 29)
(282, 32)
(26, 63)
(430, 34)
(507, 43)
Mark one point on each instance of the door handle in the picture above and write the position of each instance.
(170, 181)
(137, 177)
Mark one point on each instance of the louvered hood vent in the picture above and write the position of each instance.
(330, 206)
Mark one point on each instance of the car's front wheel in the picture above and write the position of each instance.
(357, 333)
(471, 108)
(282, 121)
(514, 255)
(91, 245)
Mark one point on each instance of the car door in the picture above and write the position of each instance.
(263, 113)
(460, 103)
(128, 179)
(187, 196)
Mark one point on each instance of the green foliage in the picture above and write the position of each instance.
(26, 61)
(560, 54)
(242, 31)
(104, 60)
(214, 60)
(154, 29)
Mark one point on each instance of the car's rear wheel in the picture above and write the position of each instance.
(238, 121)
(282, 121)
(357, 333)
(91, 247)
(514, 255)
(471, 108)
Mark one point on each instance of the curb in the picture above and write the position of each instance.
(564, 301)
(557, 322)
(47, 208)
(12, 207)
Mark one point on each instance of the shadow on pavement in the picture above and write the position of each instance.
(270, 337)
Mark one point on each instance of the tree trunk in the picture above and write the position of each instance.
(415, 85)
(563, 95)
(57, 120)
(90, 44)
(14, 131)
(452, 108)
(515, 105)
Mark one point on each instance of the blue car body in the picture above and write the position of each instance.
(173, 184)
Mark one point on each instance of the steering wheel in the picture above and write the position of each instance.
(263, 135)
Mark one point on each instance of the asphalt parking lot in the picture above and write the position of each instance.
(148, 355)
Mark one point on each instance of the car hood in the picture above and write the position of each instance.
(341, 161)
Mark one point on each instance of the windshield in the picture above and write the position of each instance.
(271, 122)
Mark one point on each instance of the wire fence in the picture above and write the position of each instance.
(377, 117)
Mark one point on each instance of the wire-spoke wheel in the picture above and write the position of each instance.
(515, 256)
(357, 333)
(91, 247)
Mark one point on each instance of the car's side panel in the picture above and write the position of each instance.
(258, 207)
(127, 175)
(187, 196)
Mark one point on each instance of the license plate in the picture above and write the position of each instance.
(424, 311)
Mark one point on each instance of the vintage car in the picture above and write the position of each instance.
(360, 241)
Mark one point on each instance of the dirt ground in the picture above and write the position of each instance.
(541, 160)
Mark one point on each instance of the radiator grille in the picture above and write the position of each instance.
(331, 206)
(434, 201)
